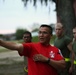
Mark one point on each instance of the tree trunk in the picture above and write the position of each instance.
(66, 15)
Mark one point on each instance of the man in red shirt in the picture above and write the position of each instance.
(43, 59)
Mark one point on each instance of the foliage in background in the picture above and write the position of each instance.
(52, 39)
(1, 36)
(19, 33)
(35, 39)
(35, 2)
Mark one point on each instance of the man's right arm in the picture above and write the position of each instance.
(11, 45)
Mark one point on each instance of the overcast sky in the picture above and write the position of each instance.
(14, 15)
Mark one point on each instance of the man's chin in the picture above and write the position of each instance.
(42, 42)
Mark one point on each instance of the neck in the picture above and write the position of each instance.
(45, 44)
(60, 36)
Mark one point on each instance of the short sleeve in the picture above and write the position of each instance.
(59, 55)
(26, 49)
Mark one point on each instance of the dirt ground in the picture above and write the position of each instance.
(11, 63)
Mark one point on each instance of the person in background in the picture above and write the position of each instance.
(64, 43)
(74, 48)
(43, 58)
(27, 38)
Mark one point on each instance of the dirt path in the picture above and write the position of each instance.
(10, 56)
(11, 63)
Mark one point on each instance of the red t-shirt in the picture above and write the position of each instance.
(40, 68)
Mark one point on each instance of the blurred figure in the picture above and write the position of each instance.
(64, 43)
(74, 48)
(27, 38)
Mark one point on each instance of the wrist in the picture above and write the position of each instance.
(48, 60)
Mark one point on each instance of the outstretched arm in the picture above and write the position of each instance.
(11, 45)
(56, 64)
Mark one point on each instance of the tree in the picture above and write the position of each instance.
(1, 36)
(65, 13)
(19, 33)
(35, 2)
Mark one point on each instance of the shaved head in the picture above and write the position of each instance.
(59, 25)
